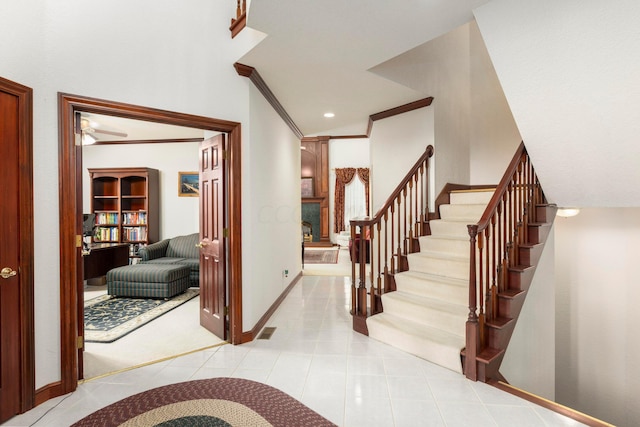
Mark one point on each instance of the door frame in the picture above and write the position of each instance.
(70, 177)
(26, 276)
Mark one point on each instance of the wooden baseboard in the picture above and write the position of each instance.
(47, 392)
(553, 406)
(253, 333)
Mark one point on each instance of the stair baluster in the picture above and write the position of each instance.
(498, 240)
(405, 215)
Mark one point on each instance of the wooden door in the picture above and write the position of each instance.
(212, 241)
(16, 251)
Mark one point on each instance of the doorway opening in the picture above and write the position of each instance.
(70, 175)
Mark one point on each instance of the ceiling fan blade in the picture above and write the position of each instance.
(109, 132)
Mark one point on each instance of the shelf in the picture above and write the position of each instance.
(126, 204)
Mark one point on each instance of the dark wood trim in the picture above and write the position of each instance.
(238, 24)
(553, 406)
(411, 106)
(254, 76)
(319, 147)
(148, 141)
(415, 105)
(48, 392)
(27, 375)
(312, 199)
(70, 211)
(349, 137)
(267, 315)
(250, 72)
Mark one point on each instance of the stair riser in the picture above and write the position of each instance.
(475, 197)
(446, 356)
(472, 212)
(436, 290)
(538, 232)
(487, 371)
(530, 255)
(449, 322)
(511, 307)
(439, 267)
(521, 280)
(500, 337)
(449, 228)
(545, 213)
(449, 246)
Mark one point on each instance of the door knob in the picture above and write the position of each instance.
(202, 244)
(7, 272)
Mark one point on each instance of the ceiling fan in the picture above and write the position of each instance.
(92, 130)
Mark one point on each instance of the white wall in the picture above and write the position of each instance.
(493, 135)
(441, 68)
(597, 294)
(271, 243)
(178, 215)
(569, 70)
(344, 153)
(529, 362)
(157, 54)
(396, 144)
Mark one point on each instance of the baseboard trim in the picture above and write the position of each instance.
(553, 406)
(47, 392)
(253, 333)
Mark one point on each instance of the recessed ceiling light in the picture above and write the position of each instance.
(329, 115)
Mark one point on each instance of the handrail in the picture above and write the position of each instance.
(385, 239)
(495, 243)
(240, 21)
(427, 154)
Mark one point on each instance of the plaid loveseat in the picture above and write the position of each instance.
(177, 250)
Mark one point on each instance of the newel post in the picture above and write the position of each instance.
(472, 329)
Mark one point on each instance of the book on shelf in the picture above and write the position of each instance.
(106, 234)
(134, 218)
(106, 218)
(134, 234)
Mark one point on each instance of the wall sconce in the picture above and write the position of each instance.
(567, 212)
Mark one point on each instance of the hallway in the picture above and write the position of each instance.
(314, 356)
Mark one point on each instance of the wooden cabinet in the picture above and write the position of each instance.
(125, 202)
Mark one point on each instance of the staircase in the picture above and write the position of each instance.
(448, 286)
(426, 315)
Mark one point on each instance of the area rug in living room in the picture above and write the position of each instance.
(321, 256)
(107, 318)
(213, 402)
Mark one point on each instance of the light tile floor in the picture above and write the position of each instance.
(316, 357)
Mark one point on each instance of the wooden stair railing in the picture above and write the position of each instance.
(511, 229)
(387, 238)
(240, 21)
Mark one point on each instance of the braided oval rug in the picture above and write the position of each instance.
(216, 402)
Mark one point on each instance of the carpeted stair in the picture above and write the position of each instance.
(426, 315)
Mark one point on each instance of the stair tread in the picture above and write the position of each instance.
(499, 322)
(511, 293)
(439, 255)
(521, 268)
(454, 281)
(488, 354)
(446, 237)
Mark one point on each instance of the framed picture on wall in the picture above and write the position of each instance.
(306, 187)
(188, 184)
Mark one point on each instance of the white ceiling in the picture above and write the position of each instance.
(331, 68)
(318, 56)
(136, 130)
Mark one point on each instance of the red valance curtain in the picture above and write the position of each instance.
(343, 177)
